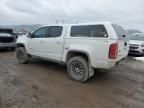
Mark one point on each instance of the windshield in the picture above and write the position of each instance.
(139, 37)
(2, 30)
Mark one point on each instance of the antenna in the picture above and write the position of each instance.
(63, 21)
(57, 21)
(77, 21)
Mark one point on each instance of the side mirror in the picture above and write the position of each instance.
(29, 35)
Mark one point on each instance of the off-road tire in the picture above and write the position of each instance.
(22, 55)
(78, 69)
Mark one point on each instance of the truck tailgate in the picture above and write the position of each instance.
(123, 49)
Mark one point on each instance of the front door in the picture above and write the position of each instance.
(36, 44)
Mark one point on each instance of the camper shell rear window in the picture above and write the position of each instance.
(121, 33)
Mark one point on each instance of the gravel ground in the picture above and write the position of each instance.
(42, 84)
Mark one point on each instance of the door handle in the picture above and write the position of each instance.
(31, 48)
(41, 41)
(58, 42)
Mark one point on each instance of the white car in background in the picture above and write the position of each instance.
(137, 44)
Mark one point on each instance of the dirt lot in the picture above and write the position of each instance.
(42, 84)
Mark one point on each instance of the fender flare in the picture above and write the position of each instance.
(79, 51)
(21, 44)
(91, 70)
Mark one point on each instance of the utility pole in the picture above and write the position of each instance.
(77, 21)
(63, 21)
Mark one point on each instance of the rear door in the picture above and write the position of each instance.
(123, 41)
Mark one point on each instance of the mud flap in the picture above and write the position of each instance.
(91, 71)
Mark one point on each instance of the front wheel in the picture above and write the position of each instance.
(78, 69)
(22, 55)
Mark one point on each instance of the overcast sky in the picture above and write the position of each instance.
(129, 13)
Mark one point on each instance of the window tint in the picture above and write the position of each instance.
(88, 31)
(55, 31)
(41, 33)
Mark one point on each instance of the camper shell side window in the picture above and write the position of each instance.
(98, 31)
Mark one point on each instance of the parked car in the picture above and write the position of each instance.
(7, 39)
(82, 47)
(137, 44)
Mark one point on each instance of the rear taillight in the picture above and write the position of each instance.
(113, 50)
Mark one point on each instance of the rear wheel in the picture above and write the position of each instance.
(78, 69)
(22, 55)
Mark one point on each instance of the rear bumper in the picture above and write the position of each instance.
(102, 64)
(8, 45)
(107, 65)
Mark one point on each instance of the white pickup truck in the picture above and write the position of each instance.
(82, 47)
